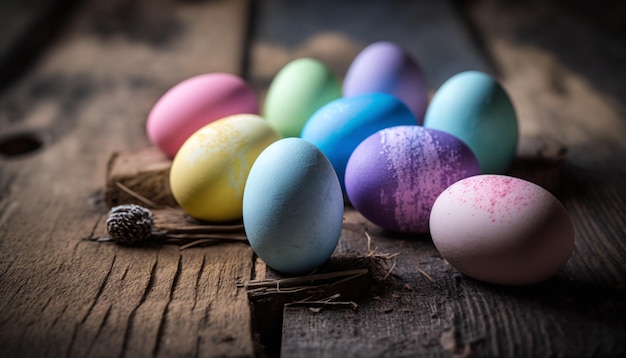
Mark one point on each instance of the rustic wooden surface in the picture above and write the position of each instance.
(564, 74)
(89, 95)
(86, 94)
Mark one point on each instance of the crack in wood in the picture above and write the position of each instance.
(131, 317)
(94, 228)
(72, 341)
(58, 317)
(163, 321)
(100, 291)
(197, 285)
(196, 352)
(125, 273)
(99, 330)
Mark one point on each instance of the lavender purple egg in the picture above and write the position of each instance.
(394, 176)
(386, 67)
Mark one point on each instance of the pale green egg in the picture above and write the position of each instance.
(296, 92)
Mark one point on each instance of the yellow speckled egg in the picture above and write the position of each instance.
(209, 172)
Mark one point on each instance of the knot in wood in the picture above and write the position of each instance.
(130, 224)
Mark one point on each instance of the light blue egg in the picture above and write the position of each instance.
(293, 207)
(341, 125)
(475, 108)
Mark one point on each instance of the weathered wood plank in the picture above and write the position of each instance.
(89, 96)
(429, 308)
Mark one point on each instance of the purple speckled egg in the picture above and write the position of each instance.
(386, 67)
(394, 176)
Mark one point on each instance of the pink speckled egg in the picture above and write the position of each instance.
(502, 230)
(195, 102)
(394, 176)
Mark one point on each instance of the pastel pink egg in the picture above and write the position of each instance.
(195, 102)
(502, 230)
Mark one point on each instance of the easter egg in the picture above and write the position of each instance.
(195, 102)
(293, 207)
(394, 176)
(338, 127)
(296, 92)
(475, 108)
(209, 172)
(386, 67)
(502, 230)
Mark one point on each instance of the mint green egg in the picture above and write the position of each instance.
(296, 92)
(474, 107)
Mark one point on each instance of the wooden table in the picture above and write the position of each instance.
(78, 79)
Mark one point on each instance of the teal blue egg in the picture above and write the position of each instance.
(475, 108)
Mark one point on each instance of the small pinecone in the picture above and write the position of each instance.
(130, 224)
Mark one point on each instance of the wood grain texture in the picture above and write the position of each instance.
(88, 96)
(430, 309)
(560, 73)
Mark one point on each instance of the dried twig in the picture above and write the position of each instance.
(393, 266)
(138, 196)
(279, 284)
(204, 239)
(326, 302)
(374, 252)
(380, 257)
(425, 274)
